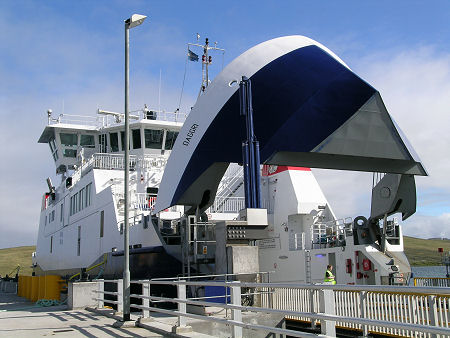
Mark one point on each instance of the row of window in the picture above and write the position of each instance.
(81, 200)
(51, 217)
(153, 139)
(71, 140)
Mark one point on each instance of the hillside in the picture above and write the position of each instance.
(11, 257)
(424, 251)
(419, 252)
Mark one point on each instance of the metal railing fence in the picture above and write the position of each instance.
(227, 205)
(432, 281)
(393, 310)
(107, 121)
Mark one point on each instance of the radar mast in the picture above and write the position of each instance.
(206, 60)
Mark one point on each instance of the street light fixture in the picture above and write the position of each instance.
(133, 21)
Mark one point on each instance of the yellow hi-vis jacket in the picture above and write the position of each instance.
(329, 277)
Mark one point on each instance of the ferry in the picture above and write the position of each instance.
(189, 210)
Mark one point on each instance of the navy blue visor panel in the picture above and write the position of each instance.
(299, 99)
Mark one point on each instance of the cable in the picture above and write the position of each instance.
(184, 78)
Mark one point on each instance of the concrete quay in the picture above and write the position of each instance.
(21, 318)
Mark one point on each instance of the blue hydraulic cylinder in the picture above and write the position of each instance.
(250, 148)
(257, 175)
(246, 174)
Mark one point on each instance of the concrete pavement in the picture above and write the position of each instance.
(21, 318)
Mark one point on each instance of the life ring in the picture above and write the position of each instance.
(360, 221)
(151, 202)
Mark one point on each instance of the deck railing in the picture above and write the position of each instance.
(391, 310)
(110, 161)
(432, 281)
(227, 205)
(116, 162)
(100, 121)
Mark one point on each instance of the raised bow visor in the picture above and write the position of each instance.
(310, 110)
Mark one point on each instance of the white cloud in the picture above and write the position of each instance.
(415, 86)
(425, 226)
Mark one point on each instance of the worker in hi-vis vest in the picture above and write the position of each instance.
(329, 277)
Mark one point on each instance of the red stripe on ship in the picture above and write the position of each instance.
(269, 170)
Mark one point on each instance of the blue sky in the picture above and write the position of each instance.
(56, 54)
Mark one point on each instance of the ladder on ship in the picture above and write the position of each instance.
(198, 246)
(228, 188)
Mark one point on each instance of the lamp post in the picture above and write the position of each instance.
(135, 20)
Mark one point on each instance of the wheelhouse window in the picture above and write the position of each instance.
(67, 139)
(171, 137)
(87, 141)
(69, 143)
(153, 138)
(136, 138)
(122, 139)
(114, 142)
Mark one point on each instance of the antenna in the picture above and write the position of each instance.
(206, 60)
(159, 91)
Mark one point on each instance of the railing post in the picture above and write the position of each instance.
(311, 307)
(327, 306)
(101, 295)
(182, 320)
(146, 301)
(236, 314)
(433, 315)
(362, 309)
(119, 295)
(181, 306)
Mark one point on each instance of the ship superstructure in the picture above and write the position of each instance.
(82, 218)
